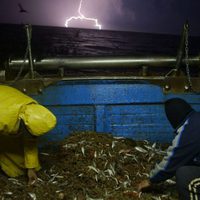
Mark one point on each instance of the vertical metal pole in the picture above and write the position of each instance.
(28, 33)
(181, 47)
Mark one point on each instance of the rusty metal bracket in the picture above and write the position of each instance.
(31, 86)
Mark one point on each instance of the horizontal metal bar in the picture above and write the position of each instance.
(101, 62)
(141, 78)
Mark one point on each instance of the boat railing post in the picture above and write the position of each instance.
(29, 36)
(181, 48)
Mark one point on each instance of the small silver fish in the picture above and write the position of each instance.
(140, 149)
(8, 193)
(94, 169)
(32, 195)
(171, 182)
(83, 151)
(113, 144)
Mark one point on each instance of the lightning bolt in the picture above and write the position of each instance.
(82, 17)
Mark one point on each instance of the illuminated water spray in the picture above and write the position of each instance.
(82, 17)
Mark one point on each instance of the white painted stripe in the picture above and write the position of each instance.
(192, 189)
(195, 189)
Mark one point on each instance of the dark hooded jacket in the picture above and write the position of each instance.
(185, 148)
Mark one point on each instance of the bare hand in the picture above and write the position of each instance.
(32, 177)
(145, 184)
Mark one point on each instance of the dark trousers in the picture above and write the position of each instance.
(188, 182)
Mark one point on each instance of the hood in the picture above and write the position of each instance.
(177, 110)
(38, 119)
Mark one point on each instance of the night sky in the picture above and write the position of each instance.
(156, 16)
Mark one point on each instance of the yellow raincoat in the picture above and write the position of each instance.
(18, 143)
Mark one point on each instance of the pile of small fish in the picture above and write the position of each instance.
(92, 166)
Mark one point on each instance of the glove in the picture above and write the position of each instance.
(144, 185)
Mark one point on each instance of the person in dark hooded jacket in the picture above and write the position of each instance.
(183, 156)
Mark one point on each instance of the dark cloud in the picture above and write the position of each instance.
(166, 16)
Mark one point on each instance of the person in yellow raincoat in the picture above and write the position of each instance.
(22, 120)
